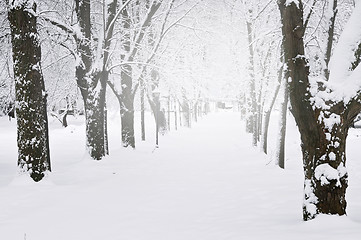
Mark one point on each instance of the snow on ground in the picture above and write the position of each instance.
(204, 183)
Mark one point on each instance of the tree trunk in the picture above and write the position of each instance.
(94, 117)
(142, 112)
(127, 108)
(106, 136)
(127, 98)
(195, 111)
(331, 30)
(64, 121)
(92, 85)
(32, 121)
(267, 117)
(283, 124)
(175, 116)
(325, 173)
(168, 113)
(186, 113)
(252, 120)
(323, 132)
(259, 121)
(127, 119)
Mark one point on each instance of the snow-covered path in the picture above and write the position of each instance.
(204, 183)
(215, 186)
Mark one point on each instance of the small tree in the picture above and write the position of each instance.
(33, 144)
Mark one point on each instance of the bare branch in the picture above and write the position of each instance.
(309, 14)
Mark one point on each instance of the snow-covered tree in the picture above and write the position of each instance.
(91, 43)
(32, 122)
(7, 94)
(323, 111)
(136, 22)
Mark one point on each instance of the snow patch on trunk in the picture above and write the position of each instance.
(325, 173)
(289, 2)
(310, 200)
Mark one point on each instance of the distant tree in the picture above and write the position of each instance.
(136, 18)
(7, 93)
(33, 143)
(281, 141)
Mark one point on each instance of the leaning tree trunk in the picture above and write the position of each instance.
(267, 114)
(32, 121)
(323, 131)
(267, 118)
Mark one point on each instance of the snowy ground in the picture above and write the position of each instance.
(204, 183)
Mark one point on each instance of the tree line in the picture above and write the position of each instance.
(281, 51)
(113, 44)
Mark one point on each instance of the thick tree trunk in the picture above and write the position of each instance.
(323, 132)
(325, 173)
(92, 86)
(94, 104)
(95, 119)
(32, 121)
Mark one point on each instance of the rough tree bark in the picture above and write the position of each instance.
(32, 121)
(323, 130)
(90, 84)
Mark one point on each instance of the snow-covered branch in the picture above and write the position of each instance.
(65, 27)
(131, 63)
(346, 78)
